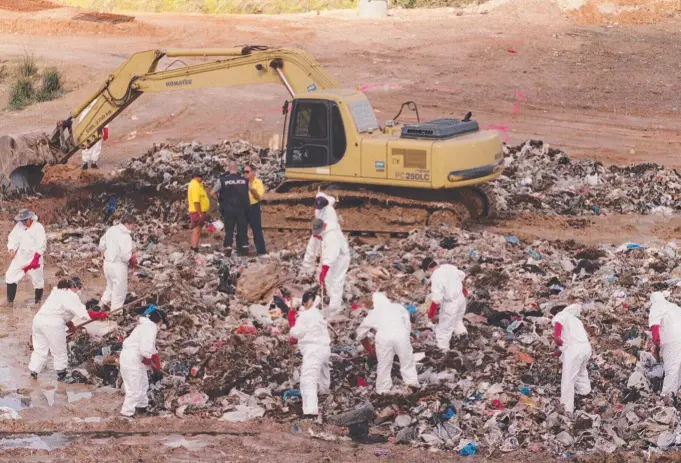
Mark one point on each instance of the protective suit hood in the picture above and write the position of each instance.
(380, 301)
(330, 199)
(657, 297)
(573, 309)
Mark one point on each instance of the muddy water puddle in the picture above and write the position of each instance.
(35, 442)
(15, 401)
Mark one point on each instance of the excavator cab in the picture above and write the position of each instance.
(316, 134)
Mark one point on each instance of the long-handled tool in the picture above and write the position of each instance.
(76, 328)
(128, 305)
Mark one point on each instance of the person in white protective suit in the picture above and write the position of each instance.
(324, 206)
(325, 211)
(570, 335)
(665, 323)
(393, 329)
(119, 254)
(330, 244)
(314, 342)
(49, 327)
(139, 350)
(448, 296)
(27, 244)
(91, 155)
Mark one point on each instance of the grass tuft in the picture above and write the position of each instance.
(21, 94)
(52, 86)
(28, 66)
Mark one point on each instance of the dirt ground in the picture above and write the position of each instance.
(592, 87)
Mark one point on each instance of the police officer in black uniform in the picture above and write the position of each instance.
(232, 191)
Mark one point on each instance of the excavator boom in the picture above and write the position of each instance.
(294, 69)
(418, 173)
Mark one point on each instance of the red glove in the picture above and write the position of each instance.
(322, 274)
(133, 261)
(557, 331)
(71, 326)
(35, 263)
(105, 133)
(432, 312)
(656, 334)
(292, 340)
(291, 318)
(97, 315)
(146, 360)
(465, 292)
(366, 343)
(156, 362)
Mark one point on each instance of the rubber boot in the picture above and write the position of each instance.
(34, 375)
(141, 411)
(85, 166)
(38, 295)
(11, 292)
(94, 165)
(61, 376)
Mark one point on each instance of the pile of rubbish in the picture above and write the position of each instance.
(226, 353)
(544, 180)
(537, 178)
(169, 166)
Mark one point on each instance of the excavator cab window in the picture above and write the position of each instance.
(315, 139)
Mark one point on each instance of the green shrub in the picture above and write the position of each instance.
(27, 66)
(51, 86)
(21, 94)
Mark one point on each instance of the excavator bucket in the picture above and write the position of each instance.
(22, 158)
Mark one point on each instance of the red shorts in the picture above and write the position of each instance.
(196, 219)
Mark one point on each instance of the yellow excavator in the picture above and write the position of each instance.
(425, 172)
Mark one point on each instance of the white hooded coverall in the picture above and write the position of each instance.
(139, 345)
(335, 253)
(393, 328)
(329, 217)
(314, 343)
(91, 154)
(117, 246)
(49, 328)
(328, 212)
(576, 352)
(447, 290)
(668, 316)
(26, 242)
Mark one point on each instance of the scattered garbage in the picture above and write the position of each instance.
(469, 449)
(226, 355)
(7, 413)
(544, 180)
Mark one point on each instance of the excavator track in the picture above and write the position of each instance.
(372, 211)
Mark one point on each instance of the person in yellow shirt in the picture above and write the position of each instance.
(198, 206)
(256, 190)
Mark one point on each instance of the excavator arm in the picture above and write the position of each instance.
(294, 69)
